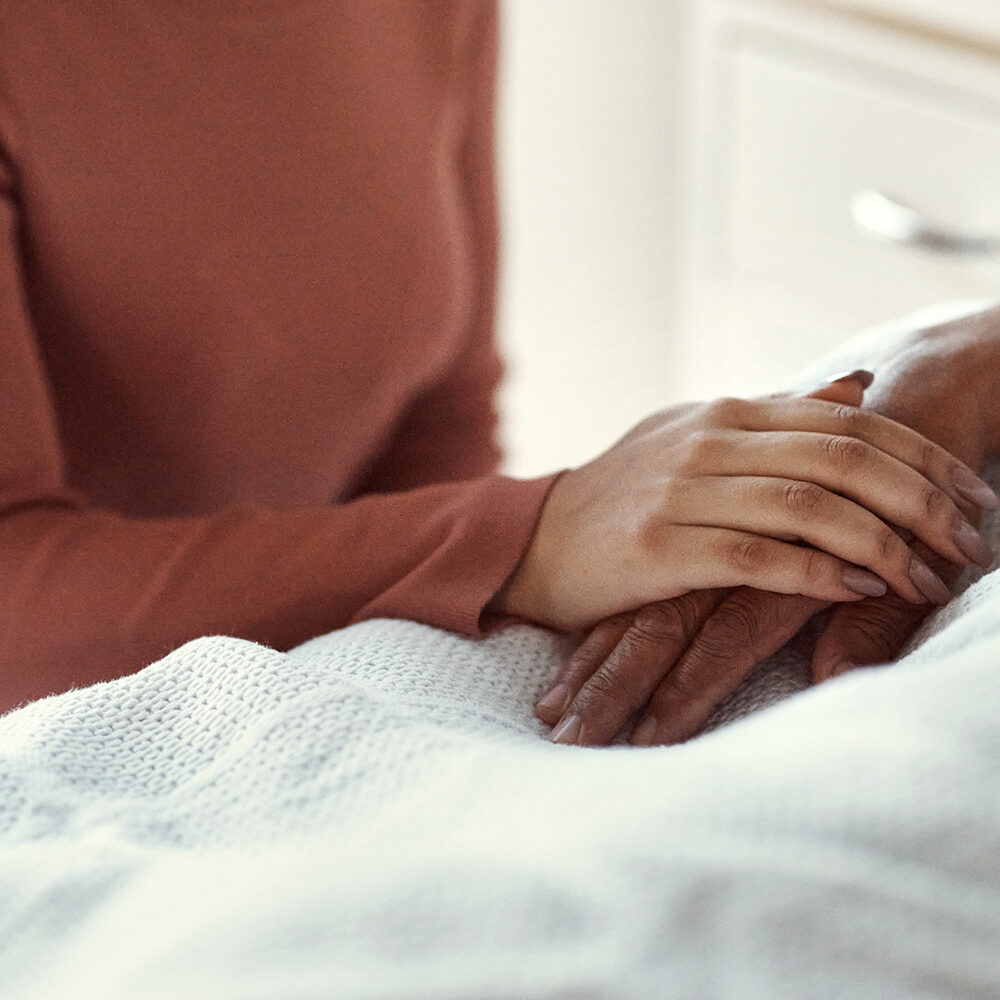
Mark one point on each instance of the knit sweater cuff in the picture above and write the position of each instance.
(479, 550)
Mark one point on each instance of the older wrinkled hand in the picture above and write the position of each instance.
(664, 669)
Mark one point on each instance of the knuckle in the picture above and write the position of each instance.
(660, 623)
(926, 455)
(849, 453)
(735, 624)
(890, 545)
(884, 626)
(743, 629)
(700, 449)
(804, 499)
(681, 685)
(749, 554)
(936, 503)
(592, 651)
(726, 411)
(647, 534)
(598, 694)
(814, 567)
(694, 607)
(878, 635)
(851, 420)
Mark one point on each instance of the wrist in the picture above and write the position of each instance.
(528, 593)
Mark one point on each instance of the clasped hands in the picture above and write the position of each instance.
(753, 516)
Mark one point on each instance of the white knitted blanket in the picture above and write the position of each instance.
(377, 815)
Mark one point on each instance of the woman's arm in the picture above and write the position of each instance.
(87, 594)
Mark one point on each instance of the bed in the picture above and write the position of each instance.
(377, 814)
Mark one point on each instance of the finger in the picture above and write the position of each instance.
(654, 640)
(577, 670)
(895, 439)
(869, 632)
(748, 626)
(791, 510)
(853, 469)
(719, 557)
(847, 388)
(862, 635)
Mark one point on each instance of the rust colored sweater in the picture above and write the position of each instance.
(247, 260)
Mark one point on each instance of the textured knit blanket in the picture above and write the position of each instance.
(377, 815)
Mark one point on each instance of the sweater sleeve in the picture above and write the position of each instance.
(88, 595)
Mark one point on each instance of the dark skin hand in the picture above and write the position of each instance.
(662, 670)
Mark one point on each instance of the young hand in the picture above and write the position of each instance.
(722, 494)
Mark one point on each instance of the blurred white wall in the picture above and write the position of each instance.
(589, 133)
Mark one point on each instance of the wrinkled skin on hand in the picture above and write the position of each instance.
(662, 670)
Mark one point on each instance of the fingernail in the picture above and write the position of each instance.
(568, 731)
(862, 582)
(645, 732)
(555, 701)
(860, 375)
(928, 582)
(974, 489)
(971, 543)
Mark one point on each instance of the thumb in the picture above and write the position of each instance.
(865, 633)
(847, 388)
(872, 631)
